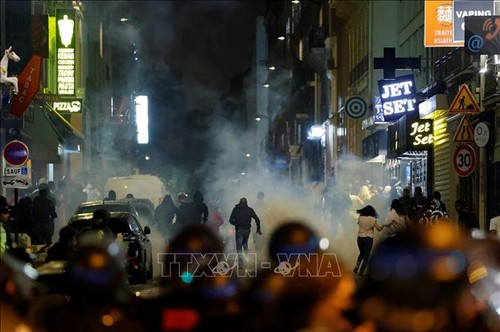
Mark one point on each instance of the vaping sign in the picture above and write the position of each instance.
(482, 35)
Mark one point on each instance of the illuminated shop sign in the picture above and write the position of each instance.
(68, 106)
(65, 46)
(62, 105)
(398, 97)
(420, 134)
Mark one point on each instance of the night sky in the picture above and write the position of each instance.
(208, 41)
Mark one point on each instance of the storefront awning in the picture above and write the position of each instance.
(40, 137)
(67, 135)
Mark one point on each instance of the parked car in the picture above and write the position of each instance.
(144, 207)
(111, 206)
(136, 244)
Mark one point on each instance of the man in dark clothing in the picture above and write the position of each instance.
(200, 209)
(65, 248)
(44, 212)
(111, 196)
(184, 213)
(241, 218)
(466, 218)
(164, 217)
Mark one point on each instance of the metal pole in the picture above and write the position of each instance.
(2, 46)
(482, 155)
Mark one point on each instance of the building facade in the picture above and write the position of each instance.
(381, 94)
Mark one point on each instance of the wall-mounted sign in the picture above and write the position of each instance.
(420, 134)
(29, 84)
(481, 134)
(65, 47)
(465, 131)
(482, 34)
(438, 24)
(466, 8)
(62, 105)
(464, 160)
(68, 106)
(355, 107)
(464, 102)
(398, 97)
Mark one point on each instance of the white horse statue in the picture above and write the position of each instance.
(4, 65)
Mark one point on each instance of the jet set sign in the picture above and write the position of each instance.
(398, 97)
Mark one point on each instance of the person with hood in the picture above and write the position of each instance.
(200, 209)
(165, 217)
(241, 218)
(183, 212)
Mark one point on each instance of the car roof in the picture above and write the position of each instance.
(112, 214)
(103, 203)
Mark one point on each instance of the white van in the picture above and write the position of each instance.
(141, 186)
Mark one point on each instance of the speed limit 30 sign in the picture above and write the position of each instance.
(464, 160)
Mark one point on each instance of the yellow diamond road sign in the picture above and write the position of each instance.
(465, 131)
(464, 102)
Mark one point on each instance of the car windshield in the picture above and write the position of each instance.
(144, 211)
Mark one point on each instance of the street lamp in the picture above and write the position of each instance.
(259, 117)
(316, 132)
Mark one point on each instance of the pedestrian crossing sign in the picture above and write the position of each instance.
(464, 102)
(465, 131)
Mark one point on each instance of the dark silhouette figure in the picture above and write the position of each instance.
(96, 279)
(466, 218)
(111, 196)
(200, 209)
(241, 217)
(436, 201)
(44, 212)
(64, 249)
(164, 217)
(183, 212)
(24, 219)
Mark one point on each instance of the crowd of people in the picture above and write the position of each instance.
(425, 273)
(421, 279)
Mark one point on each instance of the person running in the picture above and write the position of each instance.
(396, 218)
(241, 218)
(367, 222)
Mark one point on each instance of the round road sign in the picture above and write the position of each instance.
(464, 160)
(481, 134)
(16, 153)
(355, 107)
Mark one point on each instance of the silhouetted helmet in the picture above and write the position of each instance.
(292, 238)
(96, 272)
(419, 270)
(191, 252)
